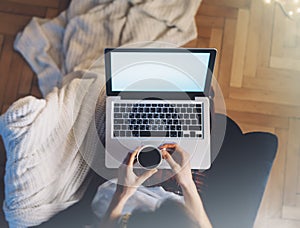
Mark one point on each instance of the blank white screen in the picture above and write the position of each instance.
(154, 72)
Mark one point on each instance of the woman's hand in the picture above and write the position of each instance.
(179, 160)
(128, 181)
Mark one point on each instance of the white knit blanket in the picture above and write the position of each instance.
(45, 171)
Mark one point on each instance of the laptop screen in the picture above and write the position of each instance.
(173, 71)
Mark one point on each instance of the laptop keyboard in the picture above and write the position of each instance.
(157, 120)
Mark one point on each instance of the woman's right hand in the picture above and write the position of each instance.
(179, 160)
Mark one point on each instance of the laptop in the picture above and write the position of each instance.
(157, 96)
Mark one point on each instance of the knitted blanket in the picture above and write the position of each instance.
(45, 172)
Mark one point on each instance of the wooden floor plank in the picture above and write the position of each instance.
(227, 54)
(259, 119)
(21, 9)
(278, 30)
(292, 163)
(239, 50)
(209, 9)
(266, 33)
(285, 63)
(16, 23)
(45, 3)
(264, 108)
(5, 61)
(209, 21)
(216, 42)
(26, 80)
(265, 96)
(11, 88)
(254, 30)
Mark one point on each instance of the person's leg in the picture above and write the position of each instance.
(234, 185)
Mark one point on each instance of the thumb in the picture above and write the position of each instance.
(146, 175)
(170, 160)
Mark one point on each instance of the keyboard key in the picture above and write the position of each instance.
(131, 115)
(139, 121)
(141, 109)
(173, 134)
(137, 115)
(156, 115)
(160, 105)
(168, 116)
(142, 127)
(189, 110)
(125, 115)
(154, 134)
(116, 133)
(158, 110)
(178, 128)
(184, 127)
(118, 121)
(186, 116)
(160, 127)
(194, 122)
(166, 105)
(135, 133)
(165, 110)
(195, 128)
(136, 127)
(145, 121)
(146, 110)
(133, 121)
(127, 121)
(198, 105)
(128, 133)
(116, 104)
(150, 115)
(198, 135)
(144, 116)
(192, 134)
(118, 115)
(192, 116)
(154, 105)
(122, 133)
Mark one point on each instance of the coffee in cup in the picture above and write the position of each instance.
(149, 157)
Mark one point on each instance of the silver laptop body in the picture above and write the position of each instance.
(157, 96)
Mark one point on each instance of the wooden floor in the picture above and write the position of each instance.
(258, 69)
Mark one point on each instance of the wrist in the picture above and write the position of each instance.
(187, 184)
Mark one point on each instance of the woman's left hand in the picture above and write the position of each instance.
(128, 181)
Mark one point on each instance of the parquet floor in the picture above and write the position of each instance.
(258, 69)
